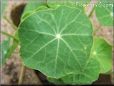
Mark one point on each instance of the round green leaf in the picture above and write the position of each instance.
(102, 51)
(57, 42)
(104, 14)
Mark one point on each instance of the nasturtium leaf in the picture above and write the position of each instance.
(102, 51)
(33, 6)
(104, 13)
(57, 42)
(5, 45)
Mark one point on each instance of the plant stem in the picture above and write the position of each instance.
(9, 35)
(21, 74)
(91, 12)
(10, 22)
(15, 44)
(47, 4)
(12, 48)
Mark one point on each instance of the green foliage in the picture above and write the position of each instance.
(88, 75)
(64, 53)
(4, 47)
(11, 49)
(8, 46)
(102, 51)
(104, 13)
(56, 38)
(51, 44)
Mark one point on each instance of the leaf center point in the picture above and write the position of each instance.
(58, 36)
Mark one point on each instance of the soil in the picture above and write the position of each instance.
(10, 72)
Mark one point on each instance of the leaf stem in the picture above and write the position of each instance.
(91, 11)
(47, 4)
(9, 35)
(10, 22)
(21, 74)
(12, 48)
